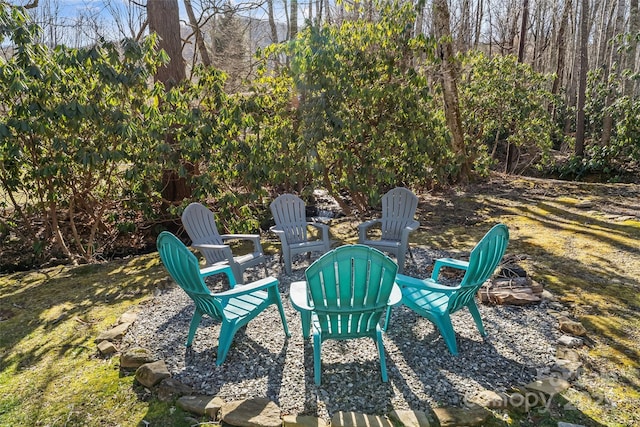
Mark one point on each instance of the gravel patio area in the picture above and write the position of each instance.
(521, 343)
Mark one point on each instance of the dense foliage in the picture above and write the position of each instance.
(506, 111)
(364, 118)
(618, 157)
(86, 137)
(83, 138)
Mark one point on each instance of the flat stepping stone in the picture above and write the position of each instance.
(454, 417)
(258, 412)
(135, 357)
(549, 386)
(410, 418)
(113, 333)
(201, 405)
(302, 421)
(151, 374)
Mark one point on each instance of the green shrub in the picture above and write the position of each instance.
(505, 106)
(366, 119)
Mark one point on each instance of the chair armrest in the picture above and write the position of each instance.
(298, 296)
(363, 227)
(219, 269)
(447, 262)
(322, 227)
(258, 285)
(396, 295)
(429, 284)
(255, 238)
(276, 229)
(413, 225)
(208, 246)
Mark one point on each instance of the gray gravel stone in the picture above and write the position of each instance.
(422, 373)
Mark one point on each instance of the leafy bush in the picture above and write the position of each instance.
(505, 106)
(366, 120)
(617, 161)
(83, 134)
(72, 129)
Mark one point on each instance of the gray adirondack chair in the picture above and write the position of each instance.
(398, 209)
(292, 228)
(200, 224)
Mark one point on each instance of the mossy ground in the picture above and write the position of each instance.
(581, 241)
(50, 371)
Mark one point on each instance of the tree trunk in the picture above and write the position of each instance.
(478, 25)
(164, 20)
(272, 22)
(632, 63)
(442, 31)
(615, 58)
(202, 47)
(604, 33)
(327, 12)
(541, 38)
(582, 81)
(293, 25)
(573, 69)
(562, 48)
(464, 35)
(523, 30)
(419, 27)
(509, 47)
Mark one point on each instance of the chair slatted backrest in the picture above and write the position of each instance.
(483, 260)
(200, 224)
(350, 288)
(183, 267)
(398, 209)
(289, 213)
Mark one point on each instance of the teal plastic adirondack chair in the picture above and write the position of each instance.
(398, 209)
(437, 302)
(345, 294)
(233, 308)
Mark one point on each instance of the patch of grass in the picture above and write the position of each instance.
(50, 371)
(580, 242)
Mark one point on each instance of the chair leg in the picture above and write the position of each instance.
(400, 257)
(238, 275)
(473, 308)
(195, 321)
(286, 255)
(278, 300)
(317, 344)
(227, 332)
(387, 319)
(383, 361)
(305, 318)
(446, 331)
